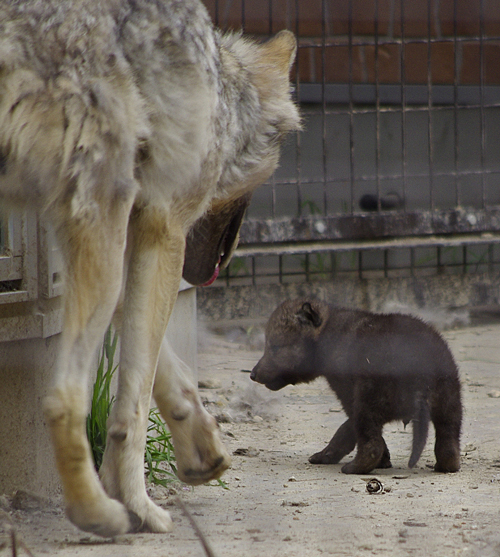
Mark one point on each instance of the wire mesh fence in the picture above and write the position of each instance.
(396, 172)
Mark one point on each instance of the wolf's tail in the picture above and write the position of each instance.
(420, 431)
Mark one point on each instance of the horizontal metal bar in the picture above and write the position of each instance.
(359, 245)
(339, 93)
(373, 177)
(336, 109)
(369, 226)
(381, 40)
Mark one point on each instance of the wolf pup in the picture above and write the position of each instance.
(381, 367)
(125, 122)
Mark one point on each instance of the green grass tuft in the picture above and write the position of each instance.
(102, 401)
(159, 456)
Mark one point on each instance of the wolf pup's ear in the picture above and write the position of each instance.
(308, 316)
(281, 50)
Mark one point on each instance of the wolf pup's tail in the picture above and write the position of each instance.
(420, 431)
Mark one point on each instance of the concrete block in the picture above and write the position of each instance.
(26, 366)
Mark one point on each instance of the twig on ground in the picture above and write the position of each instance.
(15, 542)
(196, 528)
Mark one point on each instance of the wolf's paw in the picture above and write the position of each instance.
(107, 518)
(200, 472)
(452, 465)
(324, 457)
(354, 467)
(199, 451)
(385, 461)
(447, 455)
(155, 519)
(127, 484)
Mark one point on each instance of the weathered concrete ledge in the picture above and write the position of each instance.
(26, 371)
(443, 292)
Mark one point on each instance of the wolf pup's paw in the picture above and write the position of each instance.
(324, 457)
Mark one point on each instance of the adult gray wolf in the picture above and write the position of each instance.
(124, 121)
(382, 367)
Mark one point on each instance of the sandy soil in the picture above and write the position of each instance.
(277, 504)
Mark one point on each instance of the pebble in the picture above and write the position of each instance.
(209, 384)
(28, 501)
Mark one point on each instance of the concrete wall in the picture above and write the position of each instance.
(438, 292)
(26, 460)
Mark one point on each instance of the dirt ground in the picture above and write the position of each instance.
(277, 504)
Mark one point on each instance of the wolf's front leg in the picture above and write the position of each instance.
(199, 452)
(341, 444)
(154, 273)
(93, 283)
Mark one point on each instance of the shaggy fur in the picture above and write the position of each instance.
(382, 367)
(124, 121)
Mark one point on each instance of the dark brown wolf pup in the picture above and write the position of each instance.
(382, 367)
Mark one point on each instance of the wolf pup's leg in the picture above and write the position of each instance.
(93, 247)
(370, 455)
(154, 273)
(446, 415)
(341, 444)
(199, 452)
(371, 448)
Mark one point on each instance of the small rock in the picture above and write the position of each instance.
(374, 486)
(28, 501)
(248, 451)
(4, 503)
(223, 418)
(294, 504)
(494, 394)
(5, 523)
(209, 384)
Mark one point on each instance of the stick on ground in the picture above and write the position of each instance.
(196, 528)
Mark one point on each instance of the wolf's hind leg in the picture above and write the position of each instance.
(199, 452)
(370, 455)
(93, 250)
(154, 273)
(446, 415)
(372, 451)
(385, 461)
